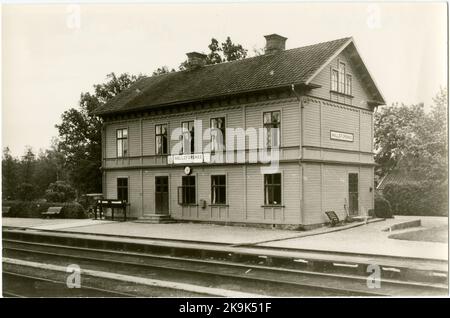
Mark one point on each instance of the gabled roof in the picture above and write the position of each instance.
(399, 177)
(295, 66)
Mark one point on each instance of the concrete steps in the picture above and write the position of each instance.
(155, 219)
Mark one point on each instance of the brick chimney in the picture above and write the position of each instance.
(275, 43)
(196, 60)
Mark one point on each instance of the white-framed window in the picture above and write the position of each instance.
(161, 139)
(188, 137)
(334, 80)
(217, 134)
(341, 81)
(272, 125)
(187, 191)
(218, 189)
(341, 77)
(348, 84)
(122, 142)
(272, 189)
(122, 189)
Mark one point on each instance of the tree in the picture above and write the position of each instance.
(258, 51)
(9, 175)
(26, 191)
(162, 70)
(214, 56)
(396, 130)
(226, 52)
(407, 137)
(57, 159)
(80, 133)
(413, 142)
(233, 52)
(45, 173)
(27, 164)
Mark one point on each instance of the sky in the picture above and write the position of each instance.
(52, 53)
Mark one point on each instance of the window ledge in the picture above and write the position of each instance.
(219, 205)
(272, 206)
(188, 204)
(342, 94)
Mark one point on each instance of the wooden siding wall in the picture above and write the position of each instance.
(360, 94)
(242, 116)
(321, 117)
(326, 189)
(134, 135)
(134, 189)
(245, 194)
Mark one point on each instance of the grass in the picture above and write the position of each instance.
(434, 234)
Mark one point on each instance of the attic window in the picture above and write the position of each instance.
(334, 80)
(348, 84)
(341, 77)
(341, 81)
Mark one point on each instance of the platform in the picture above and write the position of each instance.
(359, 238)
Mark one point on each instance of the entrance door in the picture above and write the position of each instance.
(162, 195)
(353, 193)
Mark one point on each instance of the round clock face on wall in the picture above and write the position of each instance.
(187, 170)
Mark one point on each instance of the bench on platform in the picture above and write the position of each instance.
(334, 219)
(52, 211)
(5, 210)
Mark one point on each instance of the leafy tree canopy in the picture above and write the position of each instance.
(80, 133)
(162, 70)
(407, 137)
(225, 52)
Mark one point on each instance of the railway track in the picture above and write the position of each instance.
(392, 267)
(20, 285)
(241, 277)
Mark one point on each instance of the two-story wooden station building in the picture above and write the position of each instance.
(319, 98)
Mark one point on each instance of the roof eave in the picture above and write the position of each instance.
(205, 98)
(375, 103)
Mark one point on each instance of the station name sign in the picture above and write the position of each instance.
(189, 158)
(337, 135)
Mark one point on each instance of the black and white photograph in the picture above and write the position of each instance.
(238, 150)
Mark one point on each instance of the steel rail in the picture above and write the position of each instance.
(85, 287)
(211, 267)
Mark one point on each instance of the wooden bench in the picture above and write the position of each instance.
(5, 210)
(334, 219)
(52, 211)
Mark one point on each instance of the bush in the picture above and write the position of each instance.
(382, 207)
(28, 209)
(60, 191)
(428, 199)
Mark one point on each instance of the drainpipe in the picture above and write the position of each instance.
(299, 99)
